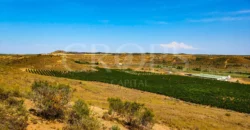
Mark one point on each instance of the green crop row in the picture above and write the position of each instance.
(233, 96)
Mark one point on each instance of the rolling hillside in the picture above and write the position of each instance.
(170, 112)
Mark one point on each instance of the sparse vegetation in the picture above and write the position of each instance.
(50, 99)
(86, 62)
(197, 69)
(179, 67)
(80, 119)
(202, 91)
(116, 105)
(6, 94)
(81, 62)
(81, 109)
(213, 93)
(115, 127)
(248, 58)
(136, 115)
(13, 115)
(228, 114)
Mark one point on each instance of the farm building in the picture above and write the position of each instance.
(216, 77)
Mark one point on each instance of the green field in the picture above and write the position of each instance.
(220, 94)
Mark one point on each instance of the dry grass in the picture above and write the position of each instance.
(169, 111)
(214, 64)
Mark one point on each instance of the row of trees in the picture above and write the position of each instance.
(196, 90)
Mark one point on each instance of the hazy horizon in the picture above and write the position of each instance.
(123, 53)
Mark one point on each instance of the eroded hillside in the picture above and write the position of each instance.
(170, 113)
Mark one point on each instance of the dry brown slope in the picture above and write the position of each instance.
(205, 62)
(168, 111)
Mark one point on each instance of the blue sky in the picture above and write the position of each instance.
(180, 26)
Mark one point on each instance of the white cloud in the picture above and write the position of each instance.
(157, 22)
(219, 19)
(241, 12)
(217, 16)
(176, 45)
(161, 22)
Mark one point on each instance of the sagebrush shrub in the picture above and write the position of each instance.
(115, 127)
(137, 116)
(147, 117)
(50, 99)
(13, 115)
(79, 118)
(132, 110)
(80, 110)
(116, 105)
(86, 123)
(3, 94)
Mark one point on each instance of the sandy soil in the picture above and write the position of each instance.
(38, 123)
(168, 111)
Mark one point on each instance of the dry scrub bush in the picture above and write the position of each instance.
(11, 93)
(50, 99)
(115, 127)
(13, 115)
(87, 123)
(136, 115)
(116, 105)
(79, 118)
